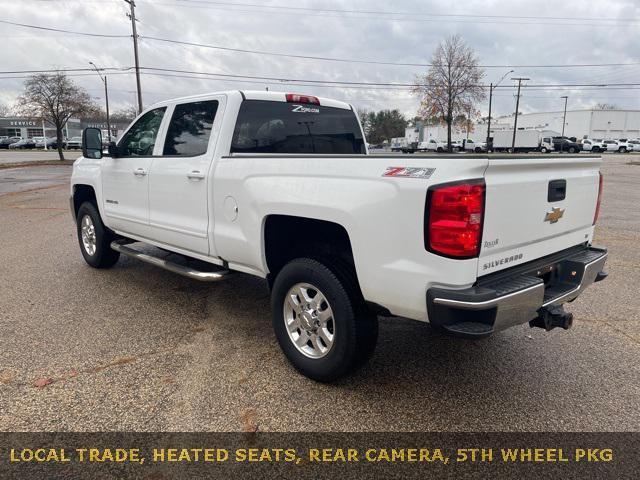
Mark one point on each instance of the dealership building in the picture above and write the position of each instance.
(590, 123)
(26, 127)
(607, 124)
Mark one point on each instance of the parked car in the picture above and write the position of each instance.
(475, 147)
(564, 144)
(283, 189)
(624, 146)
(594, 145)
(433, 145)
(74, 143)
(51, 142)
(634, 145)
(23, 144)
(4, 143)
(612, 145)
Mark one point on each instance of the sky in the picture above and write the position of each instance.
(403, 31)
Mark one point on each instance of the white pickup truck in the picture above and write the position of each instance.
(280, 186)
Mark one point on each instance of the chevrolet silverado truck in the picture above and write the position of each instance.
(280, 186)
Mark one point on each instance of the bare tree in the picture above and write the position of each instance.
(605, 106)
(5, 110)
(451, 86)
(55, 98)
(125, 115)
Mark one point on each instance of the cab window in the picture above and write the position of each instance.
(140, 139)
(190, 129)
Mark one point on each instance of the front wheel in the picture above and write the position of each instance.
(94, 238)
(622, 150)
(320, 319)
(544, 150)
(572, 150)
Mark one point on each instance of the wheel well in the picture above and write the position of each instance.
(81, 194)
(288, 237)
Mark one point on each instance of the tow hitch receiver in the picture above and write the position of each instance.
(552, 317)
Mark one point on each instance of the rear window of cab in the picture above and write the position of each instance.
(265, 126)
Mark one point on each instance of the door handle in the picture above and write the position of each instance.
(140, 172)
(195, 175)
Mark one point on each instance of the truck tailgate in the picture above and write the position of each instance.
(527, 216)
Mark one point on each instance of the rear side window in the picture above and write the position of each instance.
(277, 127)
(190, 129)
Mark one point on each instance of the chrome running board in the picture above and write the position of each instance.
(119, 246)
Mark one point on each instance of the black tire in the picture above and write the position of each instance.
(572, 149)
(103, 256)
(595, 149)
(355, 327)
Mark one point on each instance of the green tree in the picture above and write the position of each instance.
(383, 125)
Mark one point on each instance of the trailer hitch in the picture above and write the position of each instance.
(552, 317)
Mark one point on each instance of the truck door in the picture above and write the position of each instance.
(125, 179)
(179, 185)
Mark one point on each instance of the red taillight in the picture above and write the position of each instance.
(296, 98)
(597, 214)
(454, 223)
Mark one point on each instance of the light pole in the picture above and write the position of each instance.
(491, 87)
(106, 97)
(564, 117)
(515, 120)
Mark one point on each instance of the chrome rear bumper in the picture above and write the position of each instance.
(504, 300)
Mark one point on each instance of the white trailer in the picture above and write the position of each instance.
(526, 141)
(398, 143)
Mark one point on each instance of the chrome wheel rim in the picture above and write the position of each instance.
(88, 234)
(309, 321)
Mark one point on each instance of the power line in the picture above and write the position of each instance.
(87, 34)
(340, 83)
(386, 12)
(311, 57)
(374, 62)
(412, 14)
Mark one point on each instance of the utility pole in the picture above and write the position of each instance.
(106, 97)
(132, 15)
(564, 117)
(515, 121)
(491, 87)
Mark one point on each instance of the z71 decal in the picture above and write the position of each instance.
(411, 172)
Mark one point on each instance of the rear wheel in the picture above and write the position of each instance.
(320, 319)
(622, 150)
(94, 238)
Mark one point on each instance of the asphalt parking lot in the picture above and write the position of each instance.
(138, 348)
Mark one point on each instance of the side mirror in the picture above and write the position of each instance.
(113, 150)
(92, 143)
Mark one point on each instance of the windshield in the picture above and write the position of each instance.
(277, 127)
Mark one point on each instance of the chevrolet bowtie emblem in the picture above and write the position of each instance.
(554, 215)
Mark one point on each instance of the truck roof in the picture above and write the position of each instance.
(259, 95)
